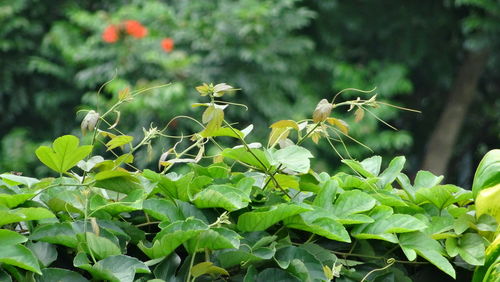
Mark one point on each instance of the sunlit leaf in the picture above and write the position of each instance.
(119, 141)
(64, 154)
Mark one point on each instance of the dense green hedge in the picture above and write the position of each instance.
(253, 212)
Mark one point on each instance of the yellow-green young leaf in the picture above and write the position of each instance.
(488, 172)
(487, 202)
(119, 141)
(322, 111)
(285, 124)
(207, 268)
(359, 114)
(340, 124)
(277, 134)
(204, 89)
(64, 154)
(215, 122)
(328, 272)
(208, 114)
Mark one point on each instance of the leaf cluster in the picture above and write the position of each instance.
(244, 213)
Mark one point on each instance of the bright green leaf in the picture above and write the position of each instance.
(24, 214)
(294, 158)
(64, 154)
(119, 141)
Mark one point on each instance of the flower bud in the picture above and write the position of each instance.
(89, 121)
(322, 111)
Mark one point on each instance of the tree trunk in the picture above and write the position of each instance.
(440, 145)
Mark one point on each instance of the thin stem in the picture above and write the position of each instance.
(266, 169)
(377, 257)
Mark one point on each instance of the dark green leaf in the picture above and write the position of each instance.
(172, 236)
(59, 275)
(45, 252)
(263, 218)
(423, 245)
(19, 256)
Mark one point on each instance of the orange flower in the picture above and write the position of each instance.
(167, 44)
(135, 29)
(110, 34)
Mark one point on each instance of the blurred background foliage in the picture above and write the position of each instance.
(285, 55)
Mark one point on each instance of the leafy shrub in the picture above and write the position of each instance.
(244, 212)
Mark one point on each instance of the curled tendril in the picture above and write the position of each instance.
(389, 262)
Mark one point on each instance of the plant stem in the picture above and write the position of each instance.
(377, 257)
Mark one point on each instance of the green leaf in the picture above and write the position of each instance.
(45, 252)
(100, 247)
(216, 238)
(13, 179)
(207, 268)
(225, 131)
(442, 195)
(118, 268)
(59, 275)
(167, 268)
(427, 248)
(172, 236)
(229, 258)
(174, 187)
(263, 218)
(242, 155)
(119, 141)
(64, 153)
(294, 158)
(214, 116)
(426, 179)
(12, 201)
(487, 173)
(471, 248)
(391, 172)
(487, 202)
(56, 233)
(20, 256)
(162, 209)
(351, 202)
(309, 268)
(118, 181)
(376, 230)
(326, 195)
(8, 237)
(24, 214)
(275, 274)
(358, 167)
(323, 226)
(372, 165)
(222, 196)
